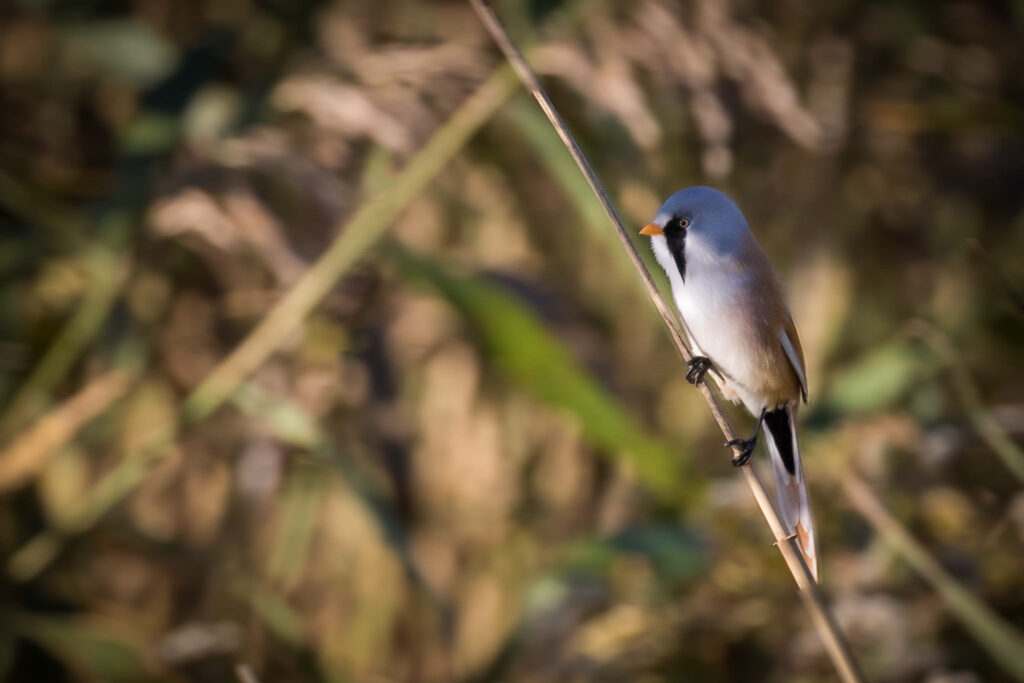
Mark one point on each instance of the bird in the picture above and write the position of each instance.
(735, 316)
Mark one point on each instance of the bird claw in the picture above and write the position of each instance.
(699, 366)
(746, 450)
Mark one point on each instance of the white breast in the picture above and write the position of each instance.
(710, 305)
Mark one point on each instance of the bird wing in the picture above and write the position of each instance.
(791, 345)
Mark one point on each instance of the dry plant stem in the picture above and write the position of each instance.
(356, 236)
(1002, 641)
(967, 390)
(28, 454)
(108, 274)
(529, 79)
(354, 239)
(822, 618)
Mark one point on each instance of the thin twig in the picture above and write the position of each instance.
(359, 233)
(967, 390)
(29, 453)
(821, 616)
(994, 633)
(107, 274)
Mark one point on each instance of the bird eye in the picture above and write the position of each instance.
(684, 223)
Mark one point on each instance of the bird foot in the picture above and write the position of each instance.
(746, 450)
(699, 366)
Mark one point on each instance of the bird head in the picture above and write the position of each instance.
(703, 216)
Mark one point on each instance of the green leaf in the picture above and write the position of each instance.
(149, 133)
(516, 341)
(96, 649)
(285, 418)
(126, 50)
(876, 381)
(544, 142)
(673, 550)
(282, 620)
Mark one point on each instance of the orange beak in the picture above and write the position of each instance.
(651, 229)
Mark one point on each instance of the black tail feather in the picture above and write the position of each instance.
(780, 431)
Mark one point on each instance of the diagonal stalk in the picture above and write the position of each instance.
(108, 273)
(355, 237)
(995, 634)
(821, 616)
(970, 396)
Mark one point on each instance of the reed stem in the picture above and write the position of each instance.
(821, 616)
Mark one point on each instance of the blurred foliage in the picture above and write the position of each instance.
(513, 339)
(470, 454)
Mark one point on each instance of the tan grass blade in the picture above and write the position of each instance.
(354, 239)
(1003, 642)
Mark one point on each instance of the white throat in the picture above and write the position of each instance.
(705, 300)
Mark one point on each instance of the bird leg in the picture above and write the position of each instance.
(746, 445)
(699, 366)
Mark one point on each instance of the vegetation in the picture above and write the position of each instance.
(319, 362)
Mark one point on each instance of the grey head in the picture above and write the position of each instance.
(708, 216)
(700, 222)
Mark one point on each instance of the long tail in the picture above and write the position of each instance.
(794, 503)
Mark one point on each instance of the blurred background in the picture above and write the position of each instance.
(460, 446)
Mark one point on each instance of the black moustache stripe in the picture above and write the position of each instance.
(676, 238)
